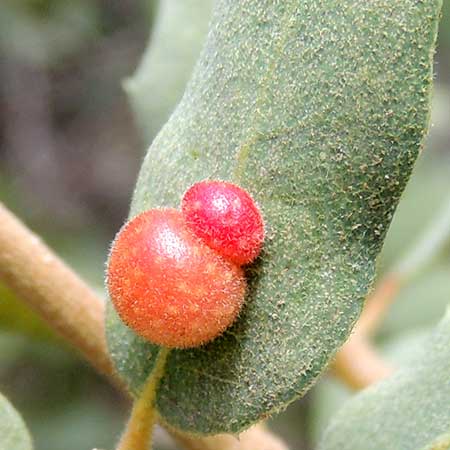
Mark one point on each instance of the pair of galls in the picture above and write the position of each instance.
(175, 277)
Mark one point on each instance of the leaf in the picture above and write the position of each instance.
(329, 394)
(426, 195)
(13, 432)
(319, 110)
(409, 411)
(159, 82)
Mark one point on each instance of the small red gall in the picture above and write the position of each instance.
(168, 285)
(226, 218)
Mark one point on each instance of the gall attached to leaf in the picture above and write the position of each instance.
(168, 285)
(175, 277)
(226, 218)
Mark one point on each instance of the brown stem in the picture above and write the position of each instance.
(378, 303)
(138, 433)
(359, 365)
(31, 270)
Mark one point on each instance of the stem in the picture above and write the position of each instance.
(358, 365)
(36, 275)
(378, 303)
(137, 434)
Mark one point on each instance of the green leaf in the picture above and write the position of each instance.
(319, 110)
(329, 394)
(426, 195)
(409, 411)
(13, 432)
(160, 80)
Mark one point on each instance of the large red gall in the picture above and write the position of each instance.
(168, 285)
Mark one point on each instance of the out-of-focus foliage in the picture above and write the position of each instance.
(444, 33)
(408, 411)
(64, 404)
(64, 131)
(13, 432)
(159, 81)
(330, 395)
(44, 31)
(14, 315)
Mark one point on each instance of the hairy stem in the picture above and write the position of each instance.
(137, 435)
(37, 276)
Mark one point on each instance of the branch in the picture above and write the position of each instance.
(36, 275)
(358, 364)
(30, 269)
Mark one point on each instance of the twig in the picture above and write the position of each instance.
(38, 277)
(358, 365)
(138, 433)
(377, 304)
(67, 304)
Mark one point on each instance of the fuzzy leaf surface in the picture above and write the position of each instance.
(318, 109)
(408, 411)
(13, 432)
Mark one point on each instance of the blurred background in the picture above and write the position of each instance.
(70, 151)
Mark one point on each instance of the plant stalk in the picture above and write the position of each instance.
(48, 286)
(138, 433)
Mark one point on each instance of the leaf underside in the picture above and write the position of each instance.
(409, 411)
(319, 109)
(13, 432)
